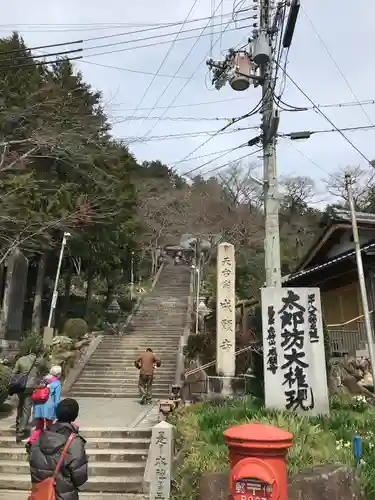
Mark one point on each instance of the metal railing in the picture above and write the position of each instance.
(347, 341)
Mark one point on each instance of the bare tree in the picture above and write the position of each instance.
(299, 192)
(240, 186)
(363, 185)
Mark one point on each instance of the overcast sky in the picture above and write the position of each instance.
(345, 29)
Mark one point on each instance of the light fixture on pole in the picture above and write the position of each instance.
(198, 281)
(55, 292)
(132, 276)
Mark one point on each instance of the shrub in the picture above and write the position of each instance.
(32, 342)
(318, 440)
(4, 379)
(75, 328)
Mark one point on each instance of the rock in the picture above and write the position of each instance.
(61, 340)
(214, 485)
(62, 357)
(82, 343)
(326, 482)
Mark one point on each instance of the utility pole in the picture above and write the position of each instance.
(361, 275)
(269, 127)
(254, 66)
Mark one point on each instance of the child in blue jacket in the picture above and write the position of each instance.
(44, 414)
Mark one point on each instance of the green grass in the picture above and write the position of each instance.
(318, 440)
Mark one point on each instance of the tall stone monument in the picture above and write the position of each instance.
(293, 350)
(225, 311)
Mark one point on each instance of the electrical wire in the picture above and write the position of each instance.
(184, 135)
(217, 158)
(130, 70)
(179, 67)
(202, 156)
(328, 119)
(253, 111)
(164, 58)
(101, 26)
(336, 65)
(38, 63)
(174, 118)
(215, 169)
(307, 108)
(323, 131)
(53, 54)
(313, 162)
(130, 33)
(185, 85)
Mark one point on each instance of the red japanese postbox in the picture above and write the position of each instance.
(257, 455)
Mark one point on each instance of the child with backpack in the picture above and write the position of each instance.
(45, 399)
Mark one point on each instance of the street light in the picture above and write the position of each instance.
(55, 292)
(197, 288)
(132, 276)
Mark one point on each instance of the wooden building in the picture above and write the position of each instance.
(330, 264)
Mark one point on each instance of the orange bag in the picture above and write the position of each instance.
(45, 490)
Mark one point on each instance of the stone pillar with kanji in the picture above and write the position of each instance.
(225, 311)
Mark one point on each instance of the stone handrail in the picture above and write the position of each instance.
(180, 365)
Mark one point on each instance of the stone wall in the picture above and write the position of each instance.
(328, 482)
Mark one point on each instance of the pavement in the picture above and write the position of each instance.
(104, 413)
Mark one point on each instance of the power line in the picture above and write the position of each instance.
(131, 70)
(202, 156)
(101, 26)
(180, 66)
(207, 103)
(164, 59)
(176, 118)
(337, 66)
(147, 45)
(322, 131)
(130, 33)
(184, 135)
(225, 164)
(313, 162)
(327, 118)
(192, 74)
(184, 105)
(217, 158)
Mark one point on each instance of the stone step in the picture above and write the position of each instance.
(121, 363)
(126, 385)
(96, 469)
(133, 352)
(24, 495)
(99, 432)
(95, 455)
(129, 484)
(166, 360)
(122, 378)
(84, 393)
(93, 443)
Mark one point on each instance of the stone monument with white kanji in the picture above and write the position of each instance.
(226, 315)
(160, 461)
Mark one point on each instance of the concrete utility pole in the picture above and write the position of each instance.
(361, 275)
(269, 127)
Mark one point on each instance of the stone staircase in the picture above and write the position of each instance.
(158, 324)
(117, 460)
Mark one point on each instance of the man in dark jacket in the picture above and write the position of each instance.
(44, 454)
